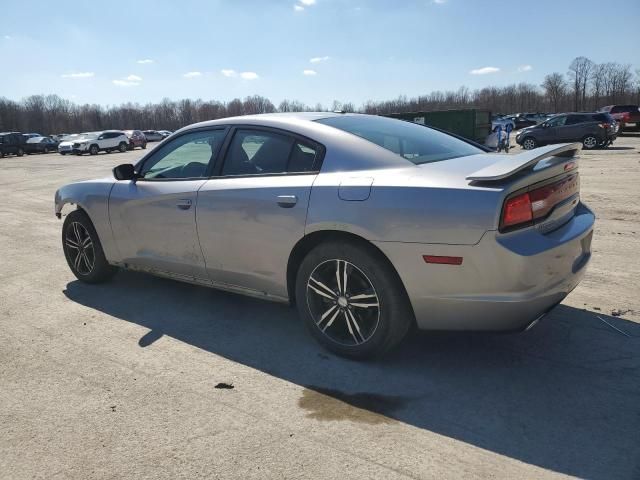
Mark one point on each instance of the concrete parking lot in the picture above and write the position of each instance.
(119, 380)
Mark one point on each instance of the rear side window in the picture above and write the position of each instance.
(256, 152)
(576, 119)
(412, 142)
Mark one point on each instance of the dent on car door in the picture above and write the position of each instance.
(153, 218)
(252, 214)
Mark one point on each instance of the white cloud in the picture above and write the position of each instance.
(308, 2)
(125, 83)
(192, 74)
(129, 81)
(78, 75)
(484, 70)
(309, 73)
(228, 72)
(298, 8)
(144, 61)
(7, 37)
(439, 2)
(319, 59)
(525, 68)
(249, 75)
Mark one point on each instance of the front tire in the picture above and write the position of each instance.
(352, 300)
(529, 143)
(93, 150)
(83, 250)
(20, 152)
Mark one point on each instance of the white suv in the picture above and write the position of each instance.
(92, 143)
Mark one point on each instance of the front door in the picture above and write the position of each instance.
(251, 215)
(154, 217)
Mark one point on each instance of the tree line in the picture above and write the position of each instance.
(586, 86)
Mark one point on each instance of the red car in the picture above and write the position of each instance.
(136, 139)
(624, 115)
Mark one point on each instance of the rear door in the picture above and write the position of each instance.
(154, 218)
(574, 128)
(253, 212)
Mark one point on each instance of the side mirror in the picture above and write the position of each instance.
(124, 172)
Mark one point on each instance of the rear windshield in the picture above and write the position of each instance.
(416, 143)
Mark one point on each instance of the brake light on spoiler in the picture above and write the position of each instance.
(522, 209)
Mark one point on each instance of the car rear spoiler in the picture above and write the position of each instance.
(512, 164)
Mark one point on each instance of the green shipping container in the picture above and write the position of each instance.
(469, 123)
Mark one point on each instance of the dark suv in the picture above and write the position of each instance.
(594, 130)
(11, 143)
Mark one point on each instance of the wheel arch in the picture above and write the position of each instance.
(310, 241)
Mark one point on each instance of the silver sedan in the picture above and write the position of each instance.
(369, 225)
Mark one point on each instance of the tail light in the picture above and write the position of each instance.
(604, 125)
(523, 209)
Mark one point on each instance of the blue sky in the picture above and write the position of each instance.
(309, 50)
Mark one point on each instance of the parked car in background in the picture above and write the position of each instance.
(11, 143)
(66, 142)
(153, 135)
(165, 133)
(32, 135)
(136, 139)
(40, 145)
(59, 136)
(502, 122)
(520, 121)
(593, 130)
(106, 141)
(625, 115)
(369, 225)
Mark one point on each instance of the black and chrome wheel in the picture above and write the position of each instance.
(83, 250)
(93, 150)
(529, 143)
(122, 147)
(590, 142)
(352, 300)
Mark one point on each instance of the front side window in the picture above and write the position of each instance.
(412, 142)
(557, 121)
(187, 156)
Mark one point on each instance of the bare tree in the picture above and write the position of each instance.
(555, 89)
(579, 72)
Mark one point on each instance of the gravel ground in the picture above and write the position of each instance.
(119, 380)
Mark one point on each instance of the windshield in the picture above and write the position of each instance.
(416, 143)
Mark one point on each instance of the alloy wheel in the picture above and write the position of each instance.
(590, 142)
(343, 302)
(80, 248)
(529, 144)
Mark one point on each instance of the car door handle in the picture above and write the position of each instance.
(184, 204)
(287, 201)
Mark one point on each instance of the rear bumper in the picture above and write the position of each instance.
(505, 282)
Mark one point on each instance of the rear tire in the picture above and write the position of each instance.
(122, 147)
(529, 143)
(20, 151)
(590, 142)
(352, 300)
(83, 250)
(144, 146)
